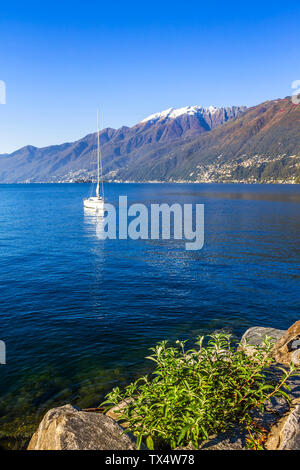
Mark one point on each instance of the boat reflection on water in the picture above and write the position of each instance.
(94, 222)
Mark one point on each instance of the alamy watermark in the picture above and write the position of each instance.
(296, 94)
(159, 221)
(2, 92)
(2, 352)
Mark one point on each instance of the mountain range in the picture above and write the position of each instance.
(233, 144)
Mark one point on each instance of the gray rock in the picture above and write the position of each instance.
(285, 434)
(295, 357)
(277, 406)
(274, 410)
(257, 334)
(67, 428)
(230, 440)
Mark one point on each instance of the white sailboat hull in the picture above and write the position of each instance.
(94, 203)
(97, 203)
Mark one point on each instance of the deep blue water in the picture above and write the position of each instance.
(78, 314)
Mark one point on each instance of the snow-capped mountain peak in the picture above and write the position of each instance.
(173, 113)
(160, 115)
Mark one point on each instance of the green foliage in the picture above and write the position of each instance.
(199, 392)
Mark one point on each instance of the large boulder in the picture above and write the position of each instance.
(229, 440)
(285, 434)
(287, 348)
(255, 336)
(286, 342)
(67, 428)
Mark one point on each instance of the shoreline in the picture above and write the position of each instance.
(279, 421)
(252, 183)
(253, 335)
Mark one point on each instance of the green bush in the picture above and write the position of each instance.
(194, 394)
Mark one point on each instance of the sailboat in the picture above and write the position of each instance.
(96, 203)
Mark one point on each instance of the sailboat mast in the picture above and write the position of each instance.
(98, 157)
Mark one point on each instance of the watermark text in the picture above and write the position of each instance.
(2, 92)
(157, 222)
(2, 352)
(296, 93)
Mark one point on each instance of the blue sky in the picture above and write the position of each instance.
(62, 60)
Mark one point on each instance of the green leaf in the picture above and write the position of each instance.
(189, 396)
(149, 442)
(182, 434)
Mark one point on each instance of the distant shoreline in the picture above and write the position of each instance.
(159, 182)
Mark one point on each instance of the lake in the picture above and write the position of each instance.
(78, 313)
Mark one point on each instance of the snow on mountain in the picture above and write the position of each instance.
(173, 113)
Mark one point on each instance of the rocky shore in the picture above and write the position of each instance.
(68, 428)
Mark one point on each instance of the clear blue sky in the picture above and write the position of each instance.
(61, 60)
